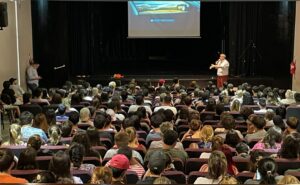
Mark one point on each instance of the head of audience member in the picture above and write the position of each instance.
(76, 153)
(188, 101)
(269, 115)
(206, 133)
(267, 168)
(82, 138)
(66, 129)
(37, 93)
(156, 121)
(121, 139)
(54, 134)
(235, 106)
(139, 100)
(272, 138)
(297, 97)
(74, 117)
(51, 117)
(93, 135)
(195, 125)
(217, 165)
(255, 156)
(40, 121)
(290, 147)
(119, 164)
(162, 180)
(60, 165)
(259, 122)
(27, 159)
(6, 160)
(169, 115)
(26, 118)
(246, 112)
(56, 99)
(229, 180)
(232, 138)
(194, 115)
(170, 139)
(44, 177)
(278, 123)
(262, 103)
(228, 122)
(242, 149)
(211, 105)
(61, 110)
(35, 141)
(220, 108)
(292, 124)
(157, 162)
(167, 100)
(15, 137)
(133, 139)
(183, 113)
(101, 175)
(26, 98)
(85, 114)
(217, 143)
(289, 179)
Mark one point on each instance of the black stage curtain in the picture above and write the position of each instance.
(90, 38)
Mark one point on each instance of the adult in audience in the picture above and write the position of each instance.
(167, 104)
(222, 67)
(139, 100)
(16, 88)
(99, 122)
(155, 133)
(194, 130)
(15, 137)
(74, 118)
(133, 140)
(271, 142)
(41, 120)
(27, 159)
(232, 138)
(292, 124)
(6, 164)
(30, 129)
(289, 98)
(60, 165)
(242, 150)
(37, 97)
(61, 114)
(216, 144)
(217, 169)
(82, 138)
(94, 137)
(101, 175)
(290, 147)
(35, 142)
(11, 93)
(85, 116)
(269, 118)
(54, 134)
(66, 129)
(262, 103)
(228, 123)
(279, 125)
(44, 177)
(259, 132)
(119, 165)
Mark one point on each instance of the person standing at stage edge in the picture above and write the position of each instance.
(32, 76)
(222, 66)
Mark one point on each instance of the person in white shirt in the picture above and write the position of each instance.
(167, 104)
(32, 76)
(222, 66)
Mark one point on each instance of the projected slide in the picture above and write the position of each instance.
(163, 18)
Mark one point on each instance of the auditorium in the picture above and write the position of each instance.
(150, 92)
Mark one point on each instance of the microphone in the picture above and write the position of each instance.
(60, 67)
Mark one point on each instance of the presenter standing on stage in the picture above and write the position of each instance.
(222, 66)
(32, 76)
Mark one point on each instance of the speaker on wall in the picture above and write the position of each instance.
(3, 15)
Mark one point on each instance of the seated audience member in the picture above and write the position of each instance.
(51, 117)
(27, 159)
(194, 130)
(85, 116)
(54, 134)
(15, 137)
(101, 175)
(217, 169)
(262, 106)
(270, 143)
(82, 138)
(297, 99)
(35, 142)
(288, 179)
(279, 125)
(245, 112)
(42, 121)
(99, 122)
(266, 174)
(232, 138)
(60, 165)
(6, 164)
(235, 106)
(167, 104)
(139, 100)
(229, 180)
(37, 97)
(289, 98)
(155, 133)
(8, 91)
(169, 141)
(206, 135)
(16, 88)
(133, 139)
(61, 114)
(74, 118)
(28, 130)
(119, 165)
(156, 165)
(217, 144)
(66, 129)
(292, 124)
(228, 123)
(162, 180)
(259, 132)
(76, 153)
(122, 140)
(26, 98)
(183, 115)
(290, 146)
(44, 177)
(94, 137)
(242, 150)
(7, 105)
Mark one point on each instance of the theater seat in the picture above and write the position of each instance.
(177, 176)
(15, 149)
(82, 174)
(26, 174)
(194, 164)
(101, 149)
(194, 175)
(179, 164)
(243, 176)
(196, 152)
(92, 160)
(106, 142)
(187, 141)
(286, 164)
(293, 111)
(43, 162)
(131, 177)
(241, 163)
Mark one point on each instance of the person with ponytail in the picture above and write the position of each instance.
(54, 134)
(76, 153)
(15, 137)
(266, 172)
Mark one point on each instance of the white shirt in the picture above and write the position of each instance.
(223, 70)
(166, 107)
(31, 75)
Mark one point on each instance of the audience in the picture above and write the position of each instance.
(259, 132)
(101, 175)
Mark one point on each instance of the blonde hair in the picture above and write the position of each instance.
(206, 133)
(229, 180)
(131, 133)
(101, 175)
(162, 180)
(84, 114)
(54, 133)
(289, 179)
(15, 134)
(195, 125)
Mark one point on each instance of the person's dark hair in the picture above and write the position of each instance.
(290, 146)
(121, 139)
(136, 121)
(184, 113)
(51, 117)
(76, 153)
(45, 177)
(117, 173)
(27, 159)
(242, 148)
(26, 118)
(156, 120)
(100, 121)
(66, 129)
(60, 165)
(246, 112)
(188, 101)
(35, 141)
(255, 156)
(141, 112)
(175, 80)
(170, 137)
(26, 98)
(267, 168)
(94, 136)
(232, 138)
(74, 117)
(195, 124)
(278, 121)
(217, 143)
(127, 151)
(271, 138)
(56, 99)
(211, 105)
(40, 121)
(37, 93)
(228, 122)
(292, 122)
(6, 159)
(139, 100)
(76, 99)
(220, 108)
(124, 95)
(259, 122)
(169, 115)
(269, 115)
(82, 138)
(217, 165)
(167, 98)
